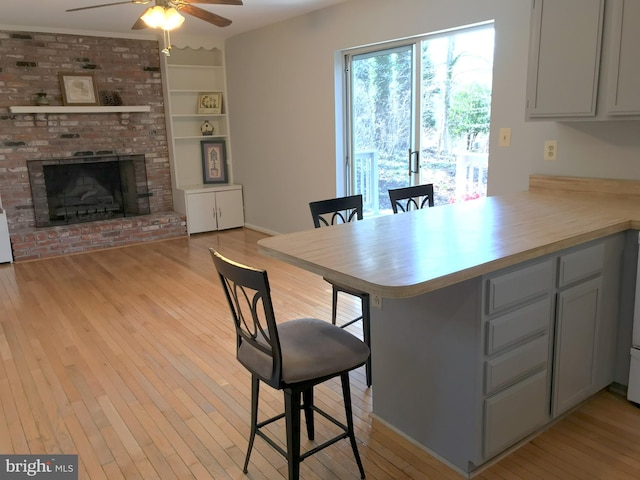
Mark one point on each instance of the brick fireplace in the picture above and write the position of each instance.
(29, 65)
(85, 189)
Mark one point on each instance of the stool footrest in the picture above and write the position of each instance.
(316, 449)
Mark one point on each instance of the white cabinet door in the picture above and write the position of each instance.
(201, 212)
(564, 58)
(575, 346)
(623, 87)
(229, 209)
(5, 242)
(214, 210)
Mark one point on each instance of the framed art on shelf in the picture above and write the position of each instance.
(210, 102)
(214, 161)
(78, 89)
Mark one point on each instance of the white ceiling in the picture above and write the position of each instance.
(50, 16)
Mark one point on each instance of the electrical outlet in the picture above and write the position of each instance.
(376, 301)
(504, 139)
(551, 150)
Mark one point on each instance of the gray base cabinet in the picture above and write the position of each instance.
(518, 324)
(494, 359)
(505, 423)
(576, 337)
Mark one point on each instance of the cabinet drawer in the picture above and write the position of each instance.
(518, 325)
(506, 368)
(511, 415)
(581, 264)
(518, 286)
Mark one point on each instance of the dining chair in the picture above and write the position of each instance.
(411, 198)
(331, 212)
(292, 356)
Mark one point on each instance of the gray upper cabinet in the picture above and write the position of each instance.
(583, 62)
(564, 58)
(623, 86)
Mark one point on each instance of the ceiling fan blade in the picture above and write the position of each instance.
(216, 2)
(141, 2)
(139, 25)
(205, 15)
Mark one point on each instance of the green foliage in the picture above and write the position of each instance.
(453, 111)
(430, 90)
(381, 106)
(470, 113)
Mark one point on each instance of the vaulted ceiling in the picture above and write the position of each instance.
(117, 20)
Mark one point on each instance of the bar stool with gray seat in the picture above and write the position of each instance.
(293, 356)
(331, 212)
(411, 198)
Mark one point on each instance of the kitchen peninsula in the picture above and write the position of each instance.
(498, 315)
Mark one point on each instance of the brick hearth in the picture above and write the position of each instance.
(30, 63)
(33, 243)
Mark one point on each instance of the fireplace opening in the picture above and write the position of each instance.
(88, 189)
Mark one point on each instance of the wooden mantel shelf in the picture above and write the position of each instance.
(78, 109)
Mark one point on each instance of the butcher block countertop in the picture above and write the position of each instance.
(408, 254)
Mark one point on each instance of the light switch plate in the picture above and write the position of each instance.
(504, 139)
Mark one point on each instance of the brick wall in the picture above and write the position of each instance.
(30, 63)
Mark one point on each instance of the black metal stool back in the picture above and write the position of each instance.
(249, 297)
(411, 198)
(331, 212)
(293, 357)
(336, 210)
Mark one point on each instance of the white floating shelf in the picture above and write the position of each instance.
(190, 115)
(83, 109)
(199, 137)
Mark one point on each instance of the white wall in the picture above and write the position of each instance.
(281, 100)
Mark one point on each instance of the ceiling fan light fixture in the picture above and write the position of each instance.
(172, 18)
(162, 17)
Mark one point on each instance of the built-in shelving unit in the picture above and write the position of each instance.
(188, 73)
(79, 109)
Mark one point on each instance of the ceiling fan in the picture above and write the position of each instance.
(184, 6)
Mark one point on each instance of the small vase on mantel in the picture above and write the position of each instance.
(41, 99)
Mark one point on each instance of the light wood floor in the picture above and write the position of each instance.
(126, 357)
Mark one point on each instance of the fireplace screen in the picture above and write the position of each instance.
(88, 189)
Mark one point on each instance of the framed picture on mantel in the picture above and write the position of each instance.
(78, 89)
(214, 161)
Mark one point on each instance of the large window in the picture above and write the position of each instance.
(418, 112)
